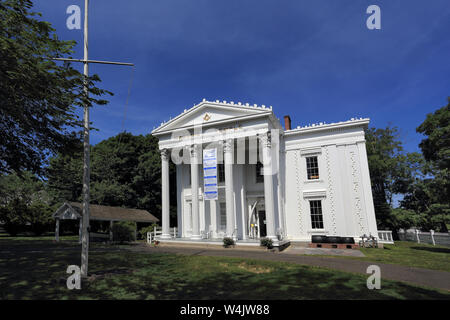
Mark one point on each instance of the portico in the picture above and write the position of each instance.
(245, 172)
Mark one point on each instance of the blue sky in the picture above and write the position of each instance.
(313, 60)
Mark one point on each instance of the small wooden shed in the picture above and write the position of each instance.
(73, 211)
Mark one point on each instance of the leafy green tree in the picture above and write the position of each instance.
(26, 187)
(436, 146)
(13, 216)
(24, 204)
(65, 175)
(391, 171)
(430, 193)
(405, 219)
(39, 97)
(39, 216)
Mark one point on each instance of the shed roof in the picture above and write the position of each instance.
(70, 210)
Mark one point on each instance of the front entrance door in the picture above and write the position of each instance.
(262, 223)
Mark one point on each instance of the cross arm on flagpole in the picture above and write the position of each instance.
(93, 61)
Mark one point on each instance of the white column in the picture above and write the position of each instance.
(165, 194)
(268, 185)
(57, 230)
(180, 220)
(213, 212)
(194, 192)
(243, 210)
(229, 197)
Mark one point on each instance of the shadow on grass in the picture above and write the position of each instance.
(431, 249)
(128, 275)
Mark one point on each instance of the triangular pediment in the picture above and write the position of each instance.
(211, 112)
(67, 212)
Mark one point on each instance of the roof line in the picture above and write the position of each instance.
(325, 126)
(246, 106)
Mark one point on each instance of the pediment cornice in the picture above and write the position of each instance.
(208, 113)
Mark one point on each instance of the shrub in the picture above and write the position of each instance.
(227, 242)
(266, 242)
(123, 231)
(150, 228)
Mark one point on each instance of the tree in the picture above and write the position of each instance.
(405, 219)
(39, 98)
(39, 216)
(65, 175)
(24, 204)
(436, 146)
(26, 187)
(430, 194)
(13, 216)
(391, 171)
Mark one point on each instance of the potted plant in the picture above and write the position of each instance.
(228, 242)
(266, 242)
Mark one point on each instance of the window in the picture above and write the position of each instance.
(221, 169)
(316, 214)
(312, 168)
(223, 216)
(259, 172)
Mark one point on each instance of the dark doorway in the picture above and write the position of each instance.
(262, 223)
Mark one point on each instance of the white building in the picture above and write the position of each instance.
(272, 182)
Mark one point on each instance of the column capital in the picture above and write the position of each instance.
(266, 139)
(193, 150)
(164, 154)
(228, 145)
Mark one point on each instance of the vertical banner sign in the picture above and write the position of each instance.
(210, 174)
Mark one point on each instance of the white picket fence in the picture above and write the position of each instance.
(434, 238)
(157, 232)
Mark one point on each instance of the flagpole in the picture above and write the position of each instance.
(86, 173)
(86, 146)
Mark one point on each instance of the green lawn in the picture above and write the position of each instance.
(409, 254)
(37, 270)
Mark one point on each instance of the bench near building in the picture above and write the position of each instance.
(286, 184)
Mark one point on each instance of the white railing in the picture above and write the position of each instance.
(385, 236)
(434, 238)
(157, 232)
